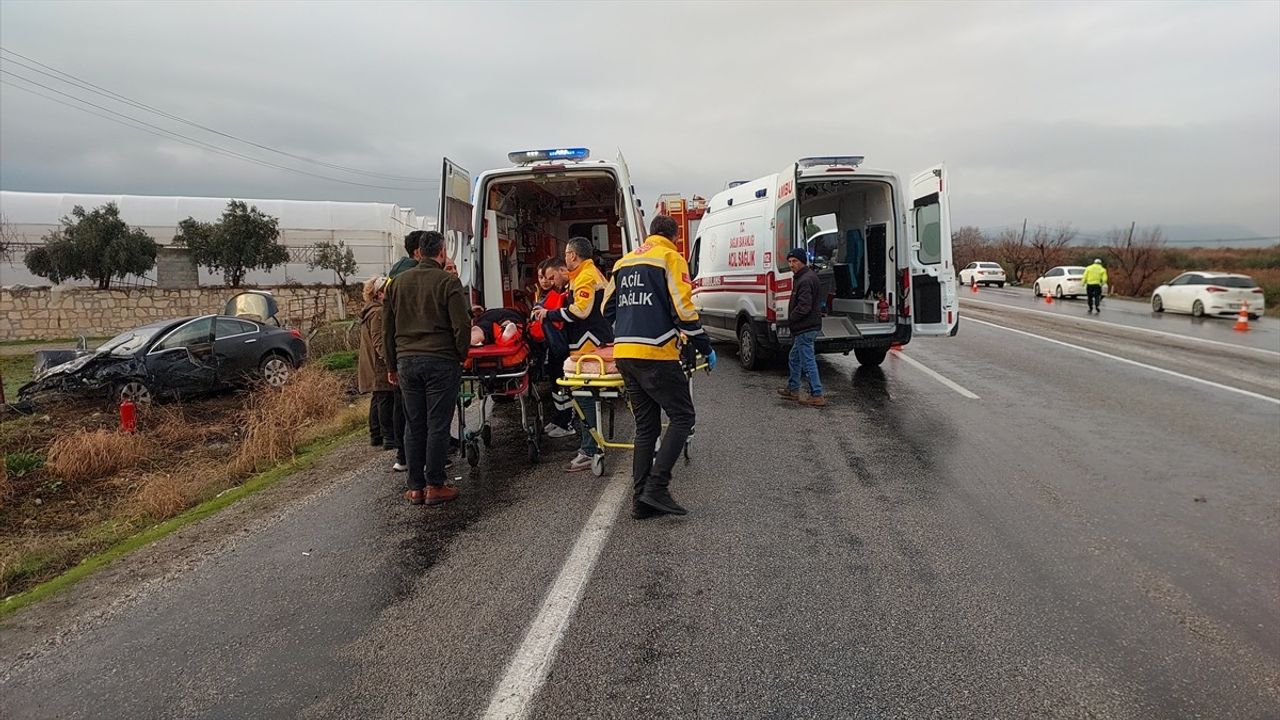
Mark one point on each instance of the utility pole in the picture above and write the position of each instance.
(1023, 236)
(1132, 225)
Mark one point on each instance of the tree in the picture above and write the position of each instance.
(96, 245)
(1049, 246)
(1011, 249)
(243, 239)
(336, 257)
(968, 245)
(1139, 258)
(7, 239)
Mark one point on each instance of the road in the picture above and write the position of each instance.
(998, 524)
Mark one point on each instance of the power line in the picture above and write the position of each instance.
(99, 90)
(178, 137)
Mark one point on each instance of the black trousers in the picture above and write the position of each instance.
(382, 428)
(1094, 296)
(654, 386)
(430, 387)
(400, 423)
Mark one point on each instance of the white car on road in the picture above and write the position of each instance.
(1062, 281)
(1209, 293)
(984, 273)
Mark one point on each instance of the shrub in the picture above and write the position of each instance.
(97, 454)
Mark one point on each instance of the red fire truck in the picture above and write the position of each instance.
(687, 213)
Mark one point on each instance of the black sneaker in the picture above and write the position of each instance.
(660, 499)
(640, 511)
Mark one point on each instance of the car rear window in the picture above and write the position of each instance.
(1073, 271)
(1232, 282)
(989, 266)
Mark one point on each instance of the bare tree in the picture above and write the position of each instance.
(8, 237)
(1048, 246)
(1138, 257)
(967, 245)
(1011, 251)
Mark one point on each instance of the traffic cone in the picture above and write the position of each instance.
(896, 347)
(973, 285)
(1242, 320)
(1048, 298)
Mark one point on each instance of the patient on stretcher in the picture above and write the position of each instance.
(497, 327)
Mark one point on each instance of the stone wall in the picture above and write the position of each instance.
(49, 313)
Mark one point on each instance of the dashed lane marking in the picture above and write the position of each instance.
(936, 376)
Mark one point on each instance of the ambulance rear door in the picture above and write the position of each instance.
(784, 239)
(934, 305)
(455, 220)
(629, 205)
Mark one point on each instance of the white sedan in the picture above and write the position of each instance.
(1062, 281)
(984, 273)
(1209, 293)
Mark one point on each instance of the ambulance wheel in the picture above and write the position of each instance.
(870, 357)
(473, 453)
(749, 351)
(597, 464)
(486, 436)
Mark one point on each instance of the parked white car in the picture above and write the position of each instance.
(1062, 281)
(1209, 293)
(984, 273)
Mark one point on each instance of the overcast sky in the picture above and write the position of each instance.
(1096, 114)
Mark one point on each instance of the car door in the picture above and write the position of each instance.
(456, 219)
(967, 274)
(182, 363)
(935, 308)
(1184, 292)
(236, 350)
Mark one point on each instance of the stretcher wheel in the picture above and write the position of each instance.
(597, 464)
(473, 453)
(486, 435)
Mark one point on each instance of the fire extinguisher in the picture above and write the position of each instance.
(882, 310)
(128, 416)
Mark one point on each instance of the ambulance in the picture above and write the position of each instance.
(881, 248)
(500, 227)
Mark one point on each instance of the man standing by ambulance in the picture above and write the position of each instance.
(585, 329)
(650, 301)
(1095, 276)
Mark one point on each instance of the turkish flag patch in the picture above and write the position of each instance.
(584, 293)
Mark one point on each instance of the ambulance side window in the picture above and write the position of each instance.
(784, 230)
(694, 259)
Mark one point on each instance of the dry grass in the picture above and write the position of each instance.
(160, 495)
(274, 422)
(97, 454)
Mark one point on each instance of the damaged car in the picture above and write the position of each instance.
(178, 358)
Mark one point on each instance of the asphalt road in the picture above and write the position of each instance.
(1087, 537)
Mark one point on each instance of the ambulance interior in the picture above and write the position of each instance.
(529, 218)
(848, 227)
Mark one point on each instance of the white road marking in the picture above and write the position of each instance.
(1080, 320)
(1135, 363)
(945, 381)
(528, 670)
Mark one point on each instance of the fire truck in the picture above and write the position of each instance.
(687, 213)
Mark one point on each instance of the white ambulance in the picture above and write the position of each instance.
(881, 248)
(513, 218)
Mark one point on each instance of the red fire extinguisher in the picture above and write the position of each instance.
(882, 310)
(128, 416)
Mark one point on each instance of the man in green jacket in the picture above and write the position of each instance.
(411, 242)
(1095, 276)
(427, 330)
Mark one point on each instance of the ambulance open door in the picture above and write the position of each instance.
(934, 305)
(455, 221)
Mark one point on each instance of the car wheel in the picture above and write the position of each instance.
(999, 284)
(870, 357)
(134, 390)
(1058, 293)
(1157, 305)
(1036, 290)
(1197, 309)
(1253, 316)
(749, 347)
(275, 370)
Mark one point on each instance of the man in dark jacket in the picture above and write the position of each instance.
(804, 318)
(427, 329)
(411, 242)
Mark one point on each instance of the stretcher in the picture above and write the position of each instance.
(492, 372)
(589, 379)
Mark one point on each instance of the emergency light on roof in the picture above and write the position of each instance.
(851, 160)
(525, 157)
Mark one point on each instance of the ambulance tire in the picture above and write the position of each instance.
(870, 357)
(750, 354)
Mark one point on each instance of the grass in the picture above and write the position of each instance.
(16, 372)
(338, 360)
(306, 457)
(83, 456)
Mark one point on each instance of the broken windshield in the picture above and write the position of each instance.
(128, 343)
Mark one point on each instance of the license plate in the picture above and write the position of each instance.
(1234, 306)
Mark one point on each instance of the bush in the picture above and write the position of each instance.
(97, 454)
(341, 360)
(274, 421)
(18, 464)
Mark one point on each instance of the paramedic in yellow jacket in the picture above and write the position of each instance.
(585, 329)
(1095, 276)
(650, 301)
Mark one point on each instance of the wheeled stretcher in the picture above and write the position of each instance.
(498, 371)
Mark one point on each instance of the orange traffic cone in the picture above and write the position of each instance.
(896, 347)
(973, 285)
(1242, 320)
(1048, 298)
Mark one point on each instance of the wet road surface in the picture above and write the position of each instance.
(1087, 538)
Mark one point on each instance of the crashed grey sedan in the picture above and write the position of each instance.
(177, 358)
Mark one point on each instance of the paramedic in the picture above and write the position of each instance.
(428, 330)
(650, 301)
(1095, 276)
(585, 329)
(804, 318)
(553, 279)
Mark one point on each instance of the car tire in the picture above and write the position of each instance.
(1197, 309)
(275, 370)
(1254, 316)
(1058, 293)
(1036, 290)
(749, 352)
(870, 357)
(1157, 304)
(999, 284)
(135, 390)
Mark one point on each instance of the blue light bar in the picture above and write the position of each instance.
(524, 157)
(853, 160)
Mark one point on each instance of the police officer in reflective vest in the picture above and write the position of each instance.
(650, 301)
